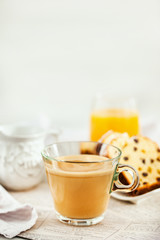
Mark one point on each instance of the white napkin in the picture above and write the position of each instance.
(14, 216)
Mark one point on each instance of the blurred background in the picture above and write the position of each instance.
(56, 55)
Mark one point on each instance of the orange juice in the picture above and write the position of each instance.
(120, 120)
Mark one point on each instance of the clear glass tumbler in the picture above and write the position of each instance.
(117, 113)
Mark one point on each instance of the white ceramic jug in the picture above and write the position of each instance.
(21, 165)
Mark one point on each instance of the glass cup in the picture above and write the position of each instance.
(81, 176)
(117, 114)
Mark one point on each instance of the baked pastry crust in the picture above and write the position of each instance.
(141, 153)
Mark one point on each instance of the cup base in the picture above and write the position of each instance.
(79, 222)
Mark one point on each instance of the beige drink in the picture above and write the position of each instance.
(80, 190)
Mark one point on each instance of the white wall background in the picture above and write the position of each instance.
(55, 55)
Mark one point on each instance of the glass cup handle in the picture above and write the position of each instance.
(118, 185)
